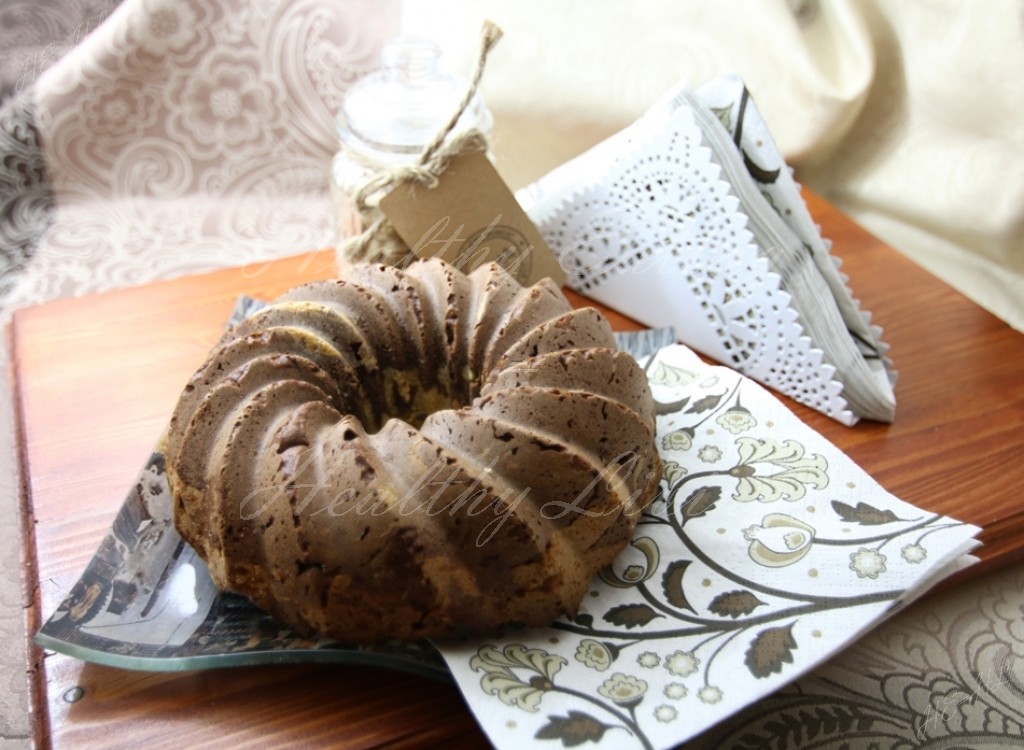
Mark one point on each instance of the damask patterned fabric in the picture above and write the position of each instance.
(197, 134)
(26, 199)
(33, 35)
(154, 138)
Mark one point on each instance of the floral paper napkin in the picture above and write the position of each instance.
(767, 552)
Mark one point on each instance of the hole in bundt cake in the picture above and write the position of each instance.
(406, 397)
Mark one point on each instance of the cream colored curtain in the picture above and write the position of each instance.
(908, 115)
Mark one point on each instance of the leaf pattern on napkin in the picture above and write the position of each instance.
(572, 730)
(864, 514)
(770, 649)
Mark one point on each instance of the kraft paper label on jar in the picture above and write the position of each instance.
(470, 218)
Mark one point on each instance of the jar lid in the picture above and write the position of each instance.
(389, 115)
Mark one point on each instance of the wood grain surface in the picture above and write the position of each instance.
(97, 377)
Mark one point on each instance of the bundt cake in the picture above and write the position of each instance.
(413, 453)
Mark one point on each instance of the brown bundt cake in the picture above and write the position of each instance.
(417, 453)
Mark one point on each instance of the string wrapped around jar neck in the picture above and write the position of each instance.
(378, 242)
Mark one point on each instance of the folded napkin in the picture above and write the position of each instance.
(767, 552)
(690, 218)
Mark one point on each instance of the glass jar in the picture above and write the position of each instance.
(389, 116)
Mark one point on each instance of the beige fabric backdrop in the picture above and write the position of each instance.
(908, 115)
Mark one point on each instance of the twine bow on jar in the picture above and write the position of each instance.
(378, 242)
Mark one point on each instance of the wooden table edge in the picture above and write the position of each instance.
(32, 617)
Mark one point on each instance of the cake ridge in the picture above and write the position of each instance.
(262, 406)
(468, 537)
(542, 301)
(495, 292)
(323, 319)
(559, 334)
(577, 502)
(374, 281)
(452, 302)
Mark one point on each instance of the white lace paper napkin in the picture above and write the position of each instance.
(666, 222)
(768, 551)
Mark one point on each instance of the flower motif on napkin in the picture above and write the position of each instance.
(736, 419)
(709, 454)
(914, 553)
(779, 540)
(665, 713)
(635, 573)
(503, 673)
(798, 471)
(867, 563)
(594, 654)
(682, 663)
(678, 440)
(625, 690)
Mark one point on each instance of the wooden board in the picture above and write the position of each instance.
(96, 378)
